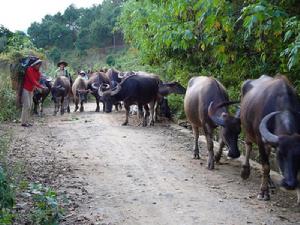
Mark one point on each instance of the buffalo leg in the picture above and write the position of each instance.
(152, 105)
(41, 107)
(68, 104)
(156, 111)
(298, 196)
(146, 113)
(140, 112)
(56, 108)
(264, 188)
(97, 105)
(35, 107)
(220, 151)
(76, 105)
(210, 146)
(196, 144)
(245, 172)
(117, 106)
(62, 109)
(81, 107)
(127, 108)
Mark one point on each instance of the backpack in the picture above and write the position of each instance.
(18, 72)
(24, 64)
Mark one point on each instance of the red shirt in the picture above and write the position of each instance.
(32, 78)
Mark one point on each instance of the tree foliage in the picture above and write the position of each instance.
(232, 40)
(80, 28)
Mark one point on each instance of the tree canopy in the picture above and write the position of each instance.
(78, 28)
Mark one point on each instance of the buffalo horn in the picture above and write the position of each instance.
(267, 136)
(102, 92)
(116, 90)
(211, 113)
(93, 85)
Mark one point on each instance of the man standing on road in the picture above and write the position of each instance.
(31, 81)
(62, 71)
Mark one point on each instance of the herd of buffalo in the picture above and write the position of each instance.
(268, 112)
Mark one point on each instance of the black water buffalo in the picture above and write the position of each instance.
(165, 89)
(270, 117)
(40, 96)
(93, 84)
(61, 91)
(79, 90)
(134, 89)
(205, 106)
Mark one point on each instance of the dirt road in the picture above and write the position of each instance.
(114, 174)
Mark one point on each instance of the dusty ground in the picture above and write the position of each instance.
(111, 174)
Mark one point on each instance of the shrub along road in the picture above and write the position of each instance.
(105, 173)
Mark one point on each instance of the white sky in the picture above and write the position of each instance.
(19, 14)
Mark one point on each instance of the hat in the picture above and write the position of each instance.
(37, 61)
(62, 63)
(82, 72)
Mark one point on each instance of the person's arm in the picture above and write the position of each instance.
(31, 78)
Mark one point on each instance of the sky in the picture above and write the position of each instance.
(19, 14)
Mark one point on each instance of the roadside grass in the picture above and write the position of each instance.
(18, 193)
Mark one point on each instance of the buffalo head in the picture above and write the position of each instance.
(107, 93)
(174, 87)
(57, 92)
(288, 151)
(94, 87)
(230, 127)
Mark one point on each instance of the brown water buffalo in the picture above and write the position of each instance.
(61, 91)
(79, 90)
(134, 89)
(270, 117)
(206, 106)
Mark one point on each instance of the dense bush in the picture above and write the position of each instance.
(231, 40)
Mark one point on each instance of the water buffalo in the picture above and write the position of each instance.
(93, 84)
(134, 89)
(205, 106)
(165, 89)
(270, 117)
(60, 91)
(40, 96)
(79, 90)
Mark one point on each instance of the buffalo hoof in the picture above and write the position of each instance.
(151, 123)
(218, 158)
(234, 155)
(196, 156)
(81, 109)
(68, 109)
(210, 164)
(125, 123)
(245, 172)
(263, 196)
(97, 110)
(144, 123)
